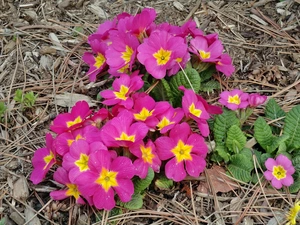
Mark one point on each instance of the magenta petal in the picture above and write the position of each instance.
(174, 170)
(61, 176)
(164, 145)
(37, 175)
(270, 163)
(58, 195)
(276, 183)
(104, 200)
(124, 167)
(141, 168)
(268, 175)
(195, 166)
(288, 181)
(124, 189)
(283, 161)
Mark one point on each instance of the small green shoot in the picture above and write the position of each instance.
(26, 100)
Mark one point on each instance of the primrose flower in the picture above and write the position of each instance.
(160, 52)
(69, 121)
(121, 53)
(121, 131)
(186, 151)
(63, 141)
(224, 65)
(122, 88)
(279, 171)
(105, 177)
(61, 176)
(147, 157)
(95, 60)
(97, 118)
(76, 160)
(169, 118)
(205, 51)
(256, 99)
(293, 214)
(43, 159)
(235, 99)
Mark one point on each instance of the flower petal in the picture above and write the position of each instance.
(104, 200)
(175, 171)
(124, 189)
(195, 166)
(270, 163)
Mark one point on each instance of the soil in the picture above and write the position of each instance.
(41, 44)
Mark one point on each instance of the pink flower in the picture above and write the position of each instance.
(63, 141)
(147, 157)
(61, 176)
(186, 151)
(70, 121)
(169, 118)
(256, 99)
(105, 177)
(43, 160)
(224, 65)
(144, 109)
(120, 131)
(121, 53)
(160, 52)
(279, 171)
(76, 160)
(123, 87)
(96, 60)
(97, 118)
(205, 51)
(235, 99)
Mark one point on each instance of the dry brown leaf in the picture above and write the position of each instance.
(69, 99)
(219, 181)
(20, 189)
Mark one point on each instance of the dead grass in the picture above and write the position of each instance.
(41, 52)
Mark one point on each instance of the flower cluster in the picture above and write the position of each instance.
(129, 42)
(237, 99)
(97, 153)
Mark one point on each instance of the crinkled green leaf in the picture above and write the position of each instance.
(207, 74)
(223, 152)
(221, 125)
(135, 203)
(19, 96)
(164, 183)
(292, 127)
(273, 110)
(263, 134)
(210, 86)
(240, 167)
(2, 108)
(295, 187)
(161, 92)
(296, 161)
(142, 184)
(236, 139)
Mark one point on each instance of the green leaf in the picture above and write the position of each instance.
(141, 184)
(210, 86)
(19, 96)
(136, 202)
(292, 127)
(161, 92)
(263, 134)
(164, 183)
(2, 221)
(207, 74)
(180, 79)
(273, 110)
(221, 125)
(29, 99)
(296, 162)
(240, 167)
(295, 187)
(2, 108)
(222, 151)
(236, 139)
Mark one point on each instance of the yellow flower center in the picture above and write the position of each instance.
(279, 172)
(163, 123)
(73, 191)
(194, 111)
(76, 121)
(99, 60)
(48, 159)
(127, 54)
(122, 93)
(107, 179)
(234, 100)
(82, 162)
(124, 69)
(162, 56)
(125, 137)
(147, 154)
(182, 151)
(70, 141)
(204, 54)
(143, 115)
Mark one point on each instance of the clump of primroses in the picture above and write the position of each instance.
(96, 153)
